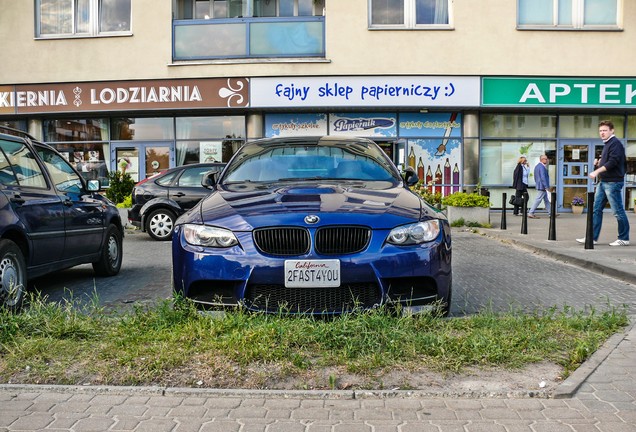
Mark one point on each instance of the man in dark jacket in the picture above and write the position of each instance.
(610, 171)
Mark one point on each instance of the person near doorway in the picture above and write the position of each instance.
(542, 181)
(610, 173)
(520, 183)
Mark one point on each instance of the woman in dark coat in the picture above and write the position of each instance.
(520, 182)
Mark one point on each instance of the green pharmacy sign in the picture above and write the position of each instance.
(558, 92)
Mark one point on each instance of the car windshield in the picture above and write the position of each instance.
(268, 163)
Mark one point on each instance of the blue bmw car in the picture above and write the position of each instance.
(315, 225)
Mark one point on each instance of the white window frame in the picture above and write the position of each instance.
(93, 23)
(578, 16)
(410, 18)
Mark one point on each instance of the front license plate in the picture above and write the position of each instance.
(312, 273)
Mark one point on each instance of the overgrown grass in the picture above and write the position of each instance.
(64, 344)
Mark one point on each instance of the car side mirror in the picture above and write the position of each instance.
(410, 176)
(93, 186)
(210, 179)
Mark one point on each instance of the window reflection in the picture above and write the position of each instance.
(142, 128)
(82, 17)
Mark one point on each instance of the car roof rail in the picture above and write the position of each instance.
(17, 132)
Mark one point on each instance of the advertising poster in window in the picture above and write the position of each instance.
(288, 125)
(510, 153)
(436, 155)
(128, 162)
(363, 124)
(210, 151)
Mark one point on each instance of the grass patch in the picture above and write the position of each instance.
(170, 343)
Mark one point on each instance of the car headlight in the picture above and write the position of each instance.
(416, 233)
(201, 235)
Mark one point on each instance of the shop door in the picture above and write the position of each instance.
(142, 160)
(575, 162)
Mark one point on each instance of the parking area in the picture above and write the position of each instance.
(144, 276)
(486, 274)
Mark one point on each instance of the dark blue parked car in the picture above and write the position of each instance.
(313, 225)
(50, 218)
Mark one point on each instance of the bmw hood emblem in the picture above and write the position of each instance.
(311, 219)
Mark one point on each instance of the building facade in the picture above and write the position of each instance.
(456, 89)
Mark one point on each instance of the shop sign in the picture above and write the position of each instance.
(363, 124)
(125, 95)
(287, 125)
(363, 91)
(5, 108)
(430, 124)
(559, 92)
(210, 151)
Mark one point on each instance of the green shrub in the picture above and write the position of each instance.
(126, 203)
(463, 199)
(423, 190)
(121, 186)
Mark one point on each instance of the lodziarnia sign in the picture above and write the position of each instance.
(559, 92)
(125, 95)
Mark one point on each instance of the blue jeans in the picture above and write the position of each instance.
(610, 192)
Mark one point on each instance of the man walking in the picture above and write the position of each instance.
(542, 182)
(610, 172)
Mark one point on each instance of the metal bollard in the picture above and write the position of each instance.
(504, 197)
(552, 229)
(524, 218)
(589, 228)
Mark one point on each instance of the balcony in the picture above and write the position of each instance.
(248, 38)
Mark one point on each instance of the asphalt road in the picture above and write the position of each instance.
(144, 277)
(486, 274)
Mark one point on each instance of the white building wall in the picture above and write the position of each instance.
(484, 41)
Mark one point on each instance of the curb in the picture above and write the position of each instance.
(568, 388)
(272, 394)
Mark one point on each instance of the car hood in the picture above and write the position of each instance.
(247, 206)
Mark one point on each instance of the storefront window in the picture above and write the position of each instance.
(586, 126)
(142, 128)
(630, 150)
(210, 150)
(206, 127)
(83, 142)
(208, 139)
(516, 135)
(499, 158)
(75, 130)
(518, 126)
(15, 124)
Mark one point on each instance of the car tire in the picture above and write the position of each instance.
(160, 224)
(13, 276)
(111, 255)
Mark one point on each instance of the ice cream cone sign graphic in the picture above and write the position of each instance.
(123, 164)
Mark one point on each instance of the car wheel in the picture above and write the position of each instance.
(12, 275)
(160, 224)
(111, 256)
